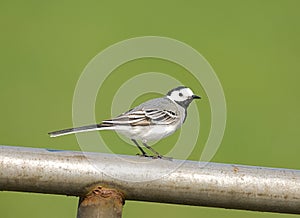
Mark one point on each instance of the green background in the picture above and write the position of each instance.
(253, 46)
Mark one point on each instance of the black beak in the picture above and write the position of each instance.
(196, 97)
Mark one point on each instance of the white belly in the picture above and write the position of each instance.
(148, 133)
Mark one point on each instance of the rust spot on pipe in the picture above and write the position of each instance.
(235, 169)
(101, 192)
(101, 202)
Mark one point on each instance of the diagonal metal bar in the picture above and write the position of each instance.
(146, 179)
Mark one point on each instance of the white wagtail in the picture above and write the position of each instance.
(149, 121)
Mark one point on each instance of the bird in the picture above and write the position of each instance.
(150, 121)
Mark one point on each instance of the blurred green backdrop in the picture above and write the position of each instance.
(252, 45)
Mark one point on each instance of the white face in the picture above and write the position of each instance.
(181, 94)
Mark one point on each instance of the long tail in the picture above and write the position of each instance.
(88, 128)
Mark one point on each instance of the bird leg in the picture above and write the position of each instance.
(158, 155)
(140, 148)
(144, 154)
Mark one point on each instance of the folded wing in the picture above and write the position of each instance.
(143, 118)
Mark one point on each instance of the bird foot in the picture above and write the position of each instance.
(143, 155)
(155, 156)
(159, 156)
(162, 157)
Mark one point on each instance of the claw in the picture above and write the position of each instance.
(162, 157)
(143, 155)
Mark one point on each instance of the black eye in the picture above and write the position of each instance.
(180, 94)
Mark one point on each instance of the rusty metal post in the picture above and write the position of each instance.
(101, 202)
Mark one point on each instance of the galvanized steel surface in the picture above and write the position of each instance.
(146, 179)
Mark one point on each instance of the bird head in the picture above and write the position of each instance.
(182, 95)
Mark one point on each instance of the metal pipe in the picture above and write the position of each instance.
(146, 179)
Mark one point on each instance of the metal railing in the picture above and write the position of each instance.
(108, 179)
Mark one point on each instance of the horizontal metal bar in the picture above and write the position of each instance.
(146, 179)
